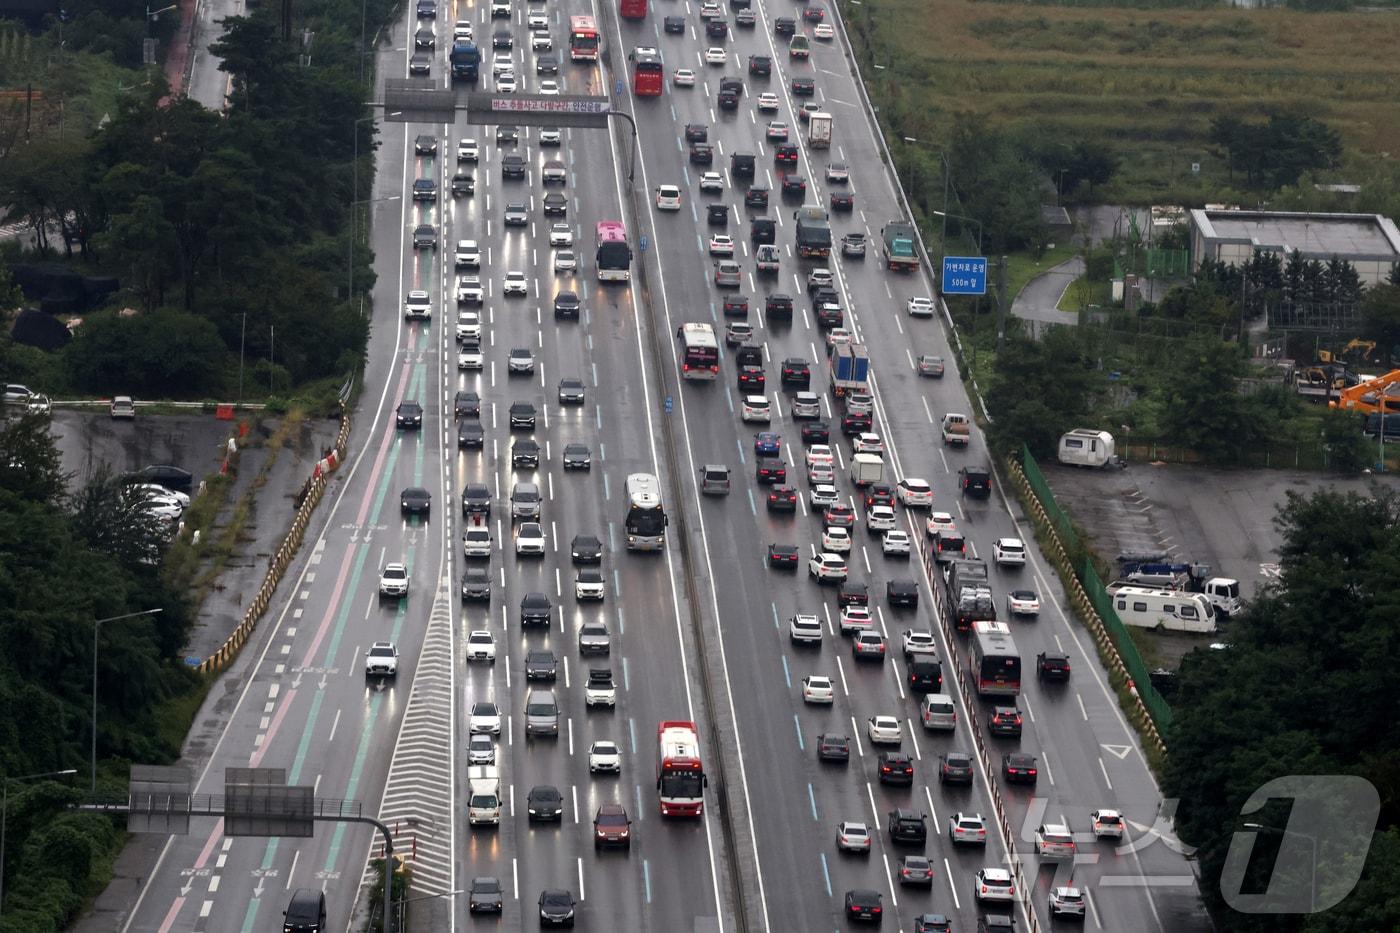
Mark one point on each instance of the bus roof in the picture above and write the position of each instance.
(994, 638)
(678, 739)
(696, 333)
(612, 231)
(582, 22)
(643, 54)
(644, 490)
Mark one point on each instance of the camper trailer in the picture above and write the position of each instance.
(1082, 447)
(1173, 610)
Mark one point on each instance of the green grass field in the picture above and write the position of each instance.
(1147, 82)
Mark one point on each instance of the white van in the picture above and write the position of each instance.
(937, 712)
(1082, 447)
(1172, 610)
(483, 795)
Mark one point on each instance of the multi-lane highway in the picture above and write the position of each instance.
(303, 702)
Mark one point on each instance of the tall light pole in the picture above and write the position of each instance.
(1312, 893)
(5, 812)
(97, 627)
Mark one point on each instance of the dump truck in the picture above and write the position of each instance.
(901, 253)
(819, 131)
(957, 429)
(967, 594)
(813, 233)
(850, 368)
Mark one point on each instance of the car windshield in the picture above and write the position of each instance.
(682, 785)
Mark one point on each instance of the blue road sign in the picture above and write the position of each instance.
(670, 406)
(620, 88)
(964, 275)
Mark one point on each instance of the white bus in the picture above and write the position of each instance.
(699, 351)
(646, 520)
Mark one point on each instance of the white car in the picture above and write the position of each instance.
(476, 542)
(884, 730)
(470, 290)
(485, 717)
(823, 31)
(467, 151)
(501, 62)
(716, 56)
(817, 689)
(393, 580)
(967, 828)
(1108, 824)
(819, 278)
(939, 521)
(668, 198)
(824, 495)
(853, 837)
(895, 542)
(820, 453)
(462, 31)
(712, 181)
(993, 884)
(683, 77)
(1009, 552)
(776, 131)
(505, 82)
(382, 660)
(914, 493)
(880, 518)
(550, 87)
(537, 19)
(1054, 840)
(481, 750)
(565, 261)
(540, 41)
(916, 642)
(827, 566)
(710, 10)
(721, 244)
(529, 539)
(469, 356)
(1066, 901)
(838, 337)
(1023, 603)
(152, 491)
(516, 284)
(521, 360)
(418, 304)
(561, 235)
(836, 540)
(481, 646)
(756, 408)
(469, 326)
(867, 443)
(604, 755)
(821, 474)
(920, 307)
(468, 255)
(856, 619)
(767, 102)
(551, 136)
(806, 628)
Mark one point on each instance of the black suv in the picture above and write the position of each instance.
(513, 166)
(925, 676)
(907, 826)
(741, 164)
(522, 416)
(466, 404)
(896, 768)
(476, 585)
(697, 133)
(902, 593)
(760, 65)
(476, 500)
(1052, 665)
(785, 25)
(1005, 721)
(756, 197)
(778, 307)
(409, 415)
(796, 374)
(975, 481)
(566, 305)
(955, 768)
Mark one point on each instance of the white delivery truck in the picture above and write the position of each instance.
(819, 131)
(867, 469)
(1173, 610)
(1083, 447)
(483, 796)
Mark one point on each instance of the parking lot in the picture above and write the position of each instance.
(1224, 518)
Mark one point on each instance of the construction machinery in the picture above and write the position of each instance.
(1371, 396)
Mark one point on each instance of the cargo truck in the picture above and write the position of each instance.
(813, 233)
(967, 594)
(465, 59)
(483, 795)
(850, 368)
(867, 469)
(819, 131)
(900, 252)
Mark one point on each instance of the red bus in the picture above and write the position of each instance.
(632, 9)
(583, 39)
(648, 76)
(699, 351)
(680, 778)
(614, 257)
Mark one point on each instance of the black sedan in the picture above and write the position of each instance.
(803, 87)
(586, 549)
(415, 500)
(545, 803)
(782, 499)
(556, 909)
(485, 896)
(470, 434)
(782, 556)
(476, 585)
(816, 432)
(577, 457)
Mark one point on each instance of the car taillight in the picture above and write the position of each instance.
(1030, 771)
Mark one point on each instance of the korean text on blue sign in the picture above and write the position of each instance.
(964, 275)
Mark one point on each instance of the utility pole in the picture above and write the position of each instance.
(1001, 303)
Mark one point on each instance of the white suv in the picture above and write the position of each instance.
(668, 198)
(467, 151)
(805, 628)
(468, 255)
(827, 566)
(1009, 552)
(382, 660)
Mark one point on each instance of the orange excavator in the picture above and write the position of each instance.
(1372, 396)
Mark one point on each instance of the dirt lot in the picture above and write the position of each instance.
(1224, 518)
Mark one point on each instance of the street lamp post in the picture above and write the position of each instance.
(97, 627)
(5, 812)
(1312, 844)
